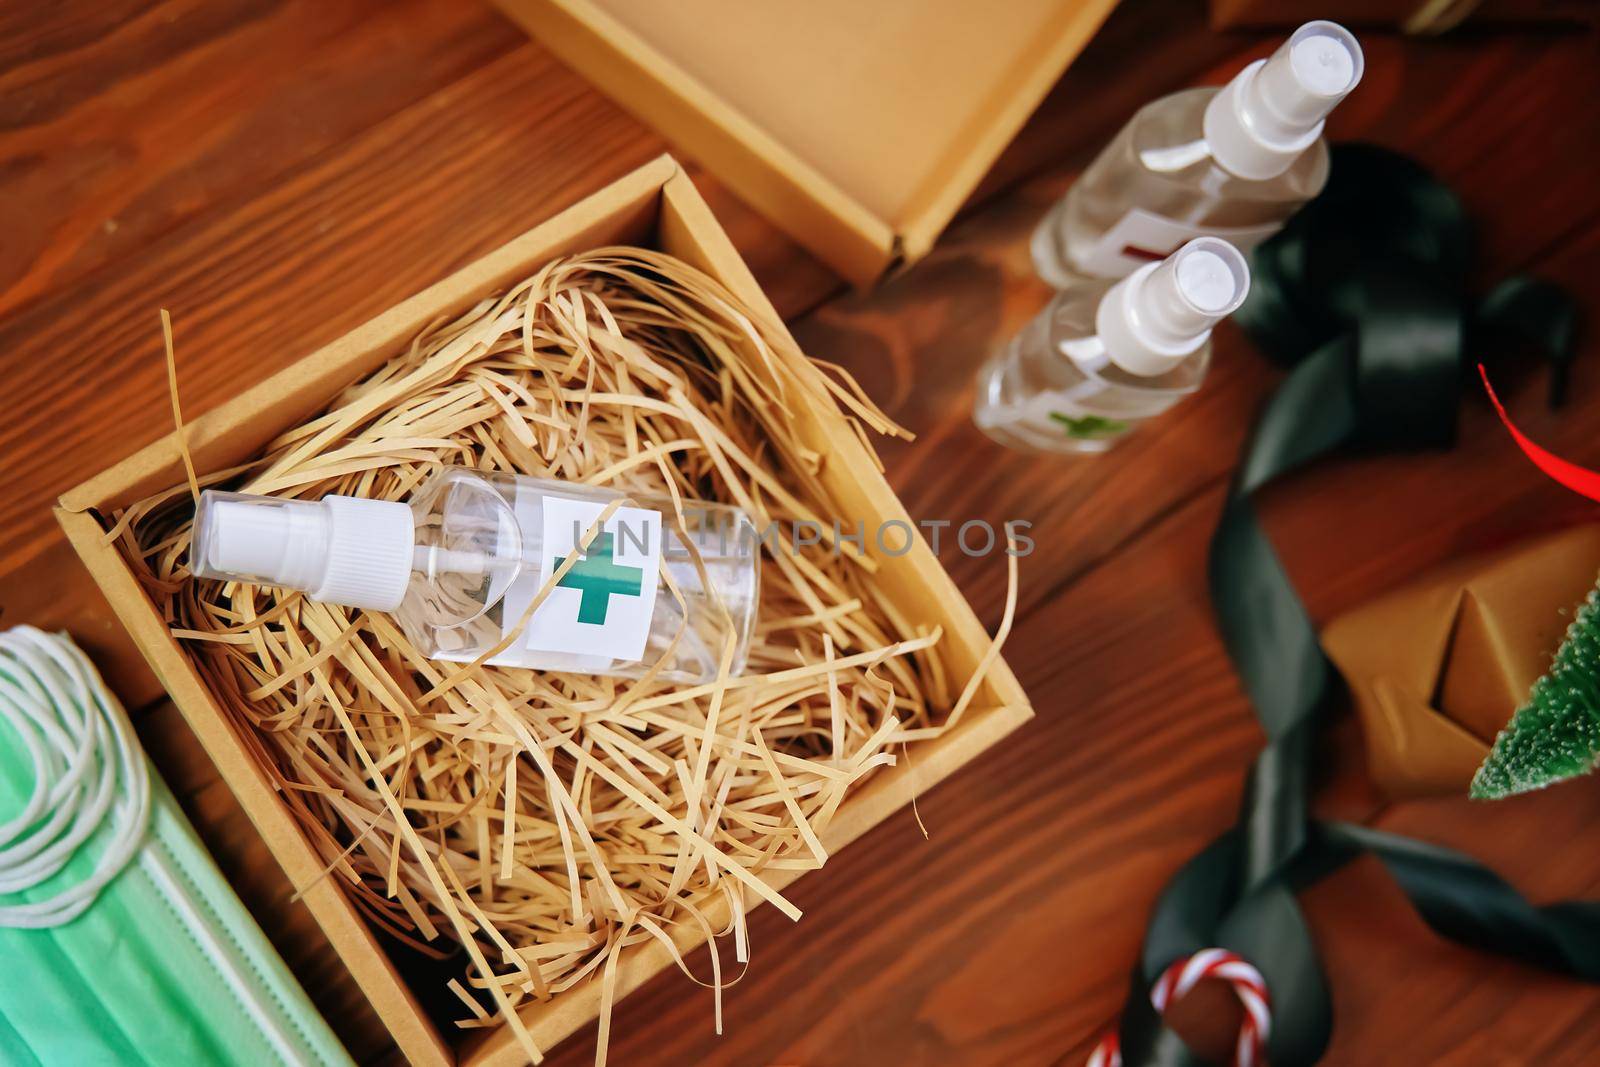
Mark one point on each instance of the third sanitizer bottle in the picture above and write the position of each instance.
(1103, 357)
(1234, 163)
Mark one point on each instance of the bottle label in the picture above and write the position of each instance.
(1142, 237)
(600, 610)
(1094, 408)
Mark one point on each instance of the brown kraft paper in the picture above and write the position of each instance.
(1437, 667)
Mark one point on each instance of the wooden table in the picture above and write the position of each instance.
(277, 172)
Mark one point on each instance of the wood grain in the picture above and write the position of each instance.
(1011, 943)
(151, 114)
(256, 282)
(277, 172)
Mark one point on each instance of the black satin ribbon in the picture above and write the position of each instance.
(1363, 296)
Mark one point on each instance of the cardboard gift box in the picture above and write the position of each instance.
(1437, 668)
(657, 206)
(857, 128)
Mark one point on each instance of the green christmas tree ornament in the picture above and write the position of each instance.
(1556, 734)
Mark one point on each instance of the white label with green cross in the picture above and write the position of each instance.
(602, 605)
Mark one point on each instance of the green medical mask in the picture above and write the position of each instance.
(120, 941)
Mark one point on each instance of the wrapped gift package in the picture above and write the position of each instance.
(864, 165)
(1437, 668)
(655, 207)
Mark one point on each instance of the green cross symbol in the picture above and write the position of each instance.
(599, 576)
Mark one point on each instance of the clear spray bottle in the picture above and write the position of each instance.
(462, 565)
(1233, 162)
(1103, 357)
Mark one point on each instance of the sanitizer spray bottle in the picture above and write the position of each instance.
(1102, 358)
(461, 564)
(1234, 163)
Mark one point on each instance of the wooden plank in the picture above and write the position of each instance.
(1455, 1005)
(254, 285)
(154, 114)
(336, 156)
(1005, 938)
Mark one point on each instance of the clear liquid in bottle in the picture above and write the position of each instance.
(1234, 163)
(469, 565)
(1104, 357)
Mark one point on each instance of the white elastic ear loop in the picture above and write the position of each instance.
(44, 849)
(87, 767)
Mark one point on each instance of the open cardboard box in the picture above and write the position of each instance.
(859, 128)
(656, 206)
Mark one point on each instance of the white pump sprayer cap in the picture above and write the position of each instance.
(337, 550)
(1161, 313)
(1272, 111)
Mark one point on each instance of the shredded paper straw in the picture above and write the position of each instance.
(542, 823)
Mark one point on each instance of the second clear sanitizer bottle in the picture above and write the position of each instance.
(1234, 163)
(464, 563)
(1102, 358)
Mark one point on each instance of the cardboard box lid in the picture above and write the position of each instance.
(857, 128)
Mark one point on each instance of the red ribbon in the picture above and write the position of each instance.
(1574, 477)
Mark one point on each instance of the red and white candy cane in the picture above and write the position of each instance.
(1181, 977)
